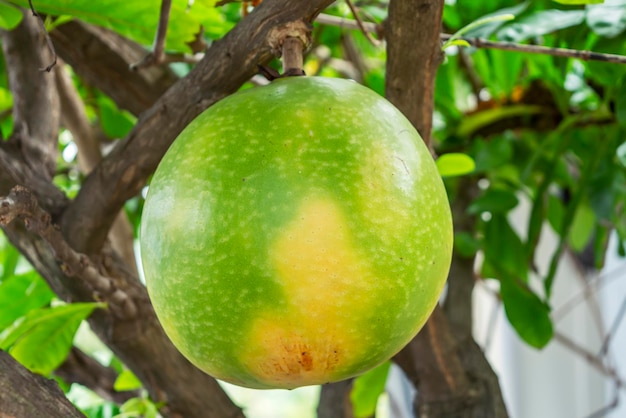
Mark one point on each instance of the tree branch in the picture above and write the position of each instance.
(74, 117)
(226, 65)
(335, 400)
(79, 368)
(35, 107)
(102, 58)
(21, 203)
(157, 56)
(539, 49)
(26, 395)
(450, 379)
(42, 26)
(410, 79)
(584, 55)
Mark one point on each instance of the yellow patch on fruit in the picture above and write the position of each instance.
(318, 270)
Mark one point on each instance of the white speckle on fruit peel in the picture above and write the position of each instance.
(326, 284)
(390, 214)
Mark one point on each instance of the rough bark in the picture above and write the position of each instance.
(36, 113)
(74, 118)
(335, 400)
(413, 56)
(27, 395)
(451, 376)
(102, 58)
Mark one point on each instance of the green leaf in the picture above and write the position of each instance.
(579, 1)
(528, 315)
(608, 19)
(494, 201)
(606, 73)
(10, 16)
(541, 23)
(601, 237)
(42, 339)
(621, 154)
(504, 250)
(490, 155)
(9, 257)
(465, 244)
(488, 26)
(454, 39)
(21, 294)
(456, 42)
(138, 20)
(472, 123)
(139, 408)
(620, 103)
(127, 381)
(556, 212)
(582, 228)
(115, 123)
(455, 164)
(6, 99)
(367, 389)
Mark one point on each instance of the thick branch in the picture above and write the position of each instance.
(103, 58)
(35, 106)
(226, 65)
(26, 395)
(21, 203)
(335, 400)
(411, 74)
(44, 31)
(74, 117)
(448, 384)
(458, 303)
(431, 363)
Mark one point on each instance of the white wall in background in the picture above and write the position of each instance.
(554, 382)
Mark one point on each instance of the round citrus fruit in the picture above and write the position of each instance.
(295, 234)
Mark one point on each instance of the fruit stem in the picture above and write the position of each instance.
(290, 41)
(293, 60)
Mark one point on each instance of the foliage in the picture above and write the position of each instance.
(522, 129)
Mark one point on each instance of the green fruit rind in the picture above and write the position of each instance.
(295, 234)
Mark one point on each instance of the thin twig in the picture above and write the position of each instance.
(592, 359)
(545, 50)
(616, 323)
(593, 285)
(340, 22)
(21, 203)
(352, 24)
(47, 36)
(157, 56)
(359, 22)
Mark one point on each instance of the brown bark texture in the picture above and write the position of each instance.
(27, 395)
(81, 264)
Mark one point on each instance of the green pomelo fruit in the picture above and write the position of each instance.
(295, 234)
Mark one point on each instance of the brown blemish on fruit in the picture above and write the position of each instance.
(281, 355)
(306, 360)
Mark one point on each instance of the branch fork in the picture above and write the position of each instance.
(21, 203)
